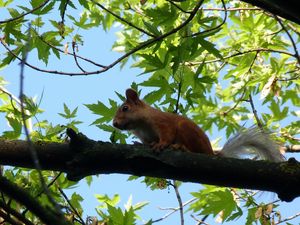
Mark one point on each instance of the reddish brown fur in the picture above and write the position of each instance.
(160, 129)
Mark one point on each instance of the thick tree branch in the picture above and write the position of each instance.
(83, 157)
(16, 214)
(47, 215)
(287, 9)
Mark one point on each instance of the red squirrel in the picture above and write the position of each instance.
(162, 129)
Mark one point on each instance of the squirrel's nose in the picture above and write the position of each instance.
(115, 123)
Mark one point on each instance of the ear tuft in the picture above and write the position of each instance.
(132, 96)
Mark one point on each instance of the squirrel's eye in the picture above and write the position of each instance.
(125, 108)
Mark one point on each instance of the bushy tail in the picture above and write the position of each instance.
(252, 143)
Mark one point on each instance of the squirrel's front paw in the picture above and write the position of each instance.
(179, 147)
(158, 147)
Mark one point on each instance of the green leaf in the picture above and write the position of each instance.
(98, 109)
(76, 200)
(67, 112)
(13, 12)
(47, 8)
(278, 113)
(251, 216)
(5, 3)
(152, 29)
(155, 183)
(106, 201)
(213, 200)
(16, 124)
(206, 79)
(116, 215)
(210, 47)
(43, 50)
(106, 114)
(139, 205)
(89, 180)
(153, 60)
(63, 5)
(84, 3)
(199, 69)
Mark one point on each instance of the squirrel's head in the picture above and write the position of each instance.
(129, 113)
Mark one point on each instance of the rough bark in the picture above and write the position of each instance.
(83, 157)
(288, 9)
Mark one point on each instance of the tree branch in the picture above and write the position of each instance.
(26, 130)
(5, 218)
(123, 20)
(117, 61)
(242, 53)
(286, 9)
(74, 46)
(213, 28)
(25, 14)
(290, 37)
(15, 213)
(45, 214)
(84, 157)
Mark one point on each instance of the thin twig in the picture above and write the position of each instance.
(70, 204)
(290, 37)
(173, 210)
(239, 54)
(214, 28)
(68, 53)
(48, 186)
(126, 55)
(202, 221)
(29, 142)
(75, 57)
(179, 202)
(64, 12)
(25, 14)
(123, 20)
(178, 7)
(240, 197)
(288, 218)
(237, 102)
(252, 63)
(275, 33)
(174, 185)
(232, 9)
(259, 124)
(294, 28)
(11, 97)
(178, 94)
(52, 71)
(244, 89)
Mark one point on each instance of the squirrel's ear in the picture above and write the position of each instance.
(132, 96)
